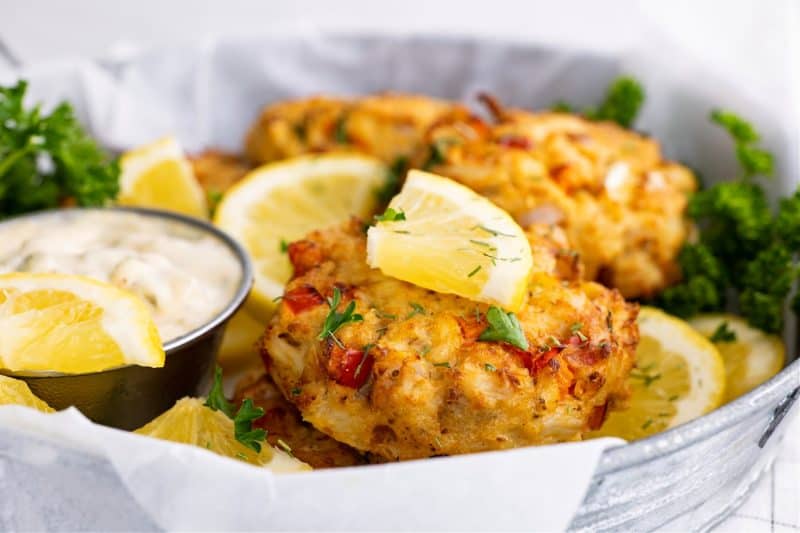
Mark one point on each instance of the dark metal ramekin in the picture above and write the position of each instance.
(129, 397)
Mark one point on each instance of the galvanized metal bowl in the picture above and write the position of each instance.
(129, 397)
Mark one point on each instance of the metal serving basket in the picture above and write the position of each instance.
(690, 476)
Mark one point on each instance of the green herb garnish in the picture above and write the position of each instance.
(443, 365)
(243, 419)
(474, 271)
(416, 309)
(390, 215)
(739, 234)
(394, 176)
(335, 320)
(503, 327)
(46, 159)
(489, 367)
(723, 333)
(284, 246)
(623, 100)
(340, 131)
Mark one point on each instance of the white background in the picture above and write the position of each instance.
(751, 39)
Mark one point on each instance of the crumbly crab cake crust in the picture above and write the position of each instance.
(286, 428)
(412, 379)
(622, 204)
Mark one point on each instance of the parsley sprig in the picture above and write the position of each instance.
(503, 327)
(46, 159)
(723, 333)
(623, 100)
(336, 320)
(243, 419)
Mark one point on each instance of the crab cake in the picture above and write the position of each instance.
(388, 126)
(412, 378)
(622, 205)
(285, 427)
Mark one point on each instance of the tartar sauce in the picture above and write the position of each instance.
(185, 275)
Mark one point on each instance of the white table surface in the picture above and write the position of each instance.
(758, 36)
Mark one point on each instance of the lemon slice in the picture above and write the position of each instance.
(159, 175)
(750, 360)
(281, 202)
(679, 376)
(189, 421)
(443, 236)
(16, 392)
(73, 325)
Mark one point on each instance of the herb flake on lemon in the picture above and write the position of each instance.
(73, 325)
(751, 356)
(281, 202)
(442, 236)
(158, 175)
(679, 376)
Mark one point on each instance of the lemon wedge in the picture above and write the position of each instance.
(281, 202)
(73, 325)
(16, 392)
(679, 376)
(750, 359)
(189, 421)
(442, 236)
(238, 349)
(159, 175)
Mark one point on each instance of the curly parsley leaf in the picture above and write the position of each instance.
(723, 333)
(336, 320)
(623, 100)
(46, 159)
(754, 161)
(503, 327)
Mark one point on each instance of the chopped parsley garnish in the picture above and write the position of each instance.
(503, 327)
(754, 160)
(243, 419)
(336, 320)
(723, 333)
(443, 365)
(340, 131)
(575, 327)
(623, 100)
(438, 153)
(489, 367)
(297, 391)
(474, 271)
(46, 159)
(284, 246)
(390, 215)
(647, 379)
(393, 177)
(416, 309)
(213, 199)
(425, 351)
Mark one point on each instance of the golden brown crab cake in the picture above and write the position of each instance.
(285, 427)
(217, 170)
(388, 126)
(412, 379)
(622, 206)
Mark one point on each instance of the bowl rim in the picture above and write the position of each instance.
(193, 335)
